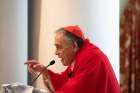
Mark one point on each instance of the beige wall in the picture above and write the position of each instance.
(99, 20)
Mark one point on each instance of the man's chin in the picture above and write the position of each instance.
(64, 63)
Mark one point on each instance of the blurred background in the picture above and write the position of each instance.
(27, 32)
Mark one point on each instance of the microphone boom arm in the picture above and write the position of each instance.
(34, 79)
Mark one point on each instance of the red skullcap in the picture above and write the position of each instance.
(75, 30)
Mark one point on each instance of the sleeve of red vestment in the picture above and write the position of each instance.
(58, 80)
(94, 75)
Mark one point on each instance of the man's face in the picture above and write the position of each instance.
(65, 49)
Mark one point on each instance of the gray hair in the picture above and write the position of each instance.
(70, 36)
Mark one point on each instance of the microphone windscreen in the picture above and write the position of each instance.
(52, 62)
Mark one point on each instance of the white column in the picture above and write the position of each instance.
(13, 41)
(99, 20)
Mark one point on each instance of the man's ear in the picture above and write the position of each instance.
(75, 46)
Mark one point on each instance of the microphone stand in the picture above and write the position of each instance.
(34, 79)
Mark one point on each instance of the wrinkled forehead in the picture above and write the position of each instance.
(59, 36)
(61, 39)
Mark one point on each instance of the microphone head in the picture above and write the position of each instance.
(52, 62)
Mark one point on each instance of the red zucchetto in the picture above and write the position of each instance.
(75, 30)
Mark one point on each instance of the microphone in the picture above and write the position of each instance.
(34, 79)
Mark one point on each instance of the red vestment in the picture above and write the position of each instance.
(92, 73)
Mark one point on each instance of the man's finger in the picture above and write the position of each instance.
(31, 62)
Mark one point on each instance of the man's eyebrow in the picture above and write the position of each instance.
(57, 45)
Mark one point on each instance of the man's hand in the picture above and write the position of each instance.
(34, 66)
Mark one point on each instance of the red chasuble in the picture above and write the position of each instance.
(92, 73)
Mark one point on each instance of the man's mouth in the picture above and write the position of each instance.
(59, 58)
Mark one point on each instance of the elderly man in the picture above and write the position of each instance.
(88, 71)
